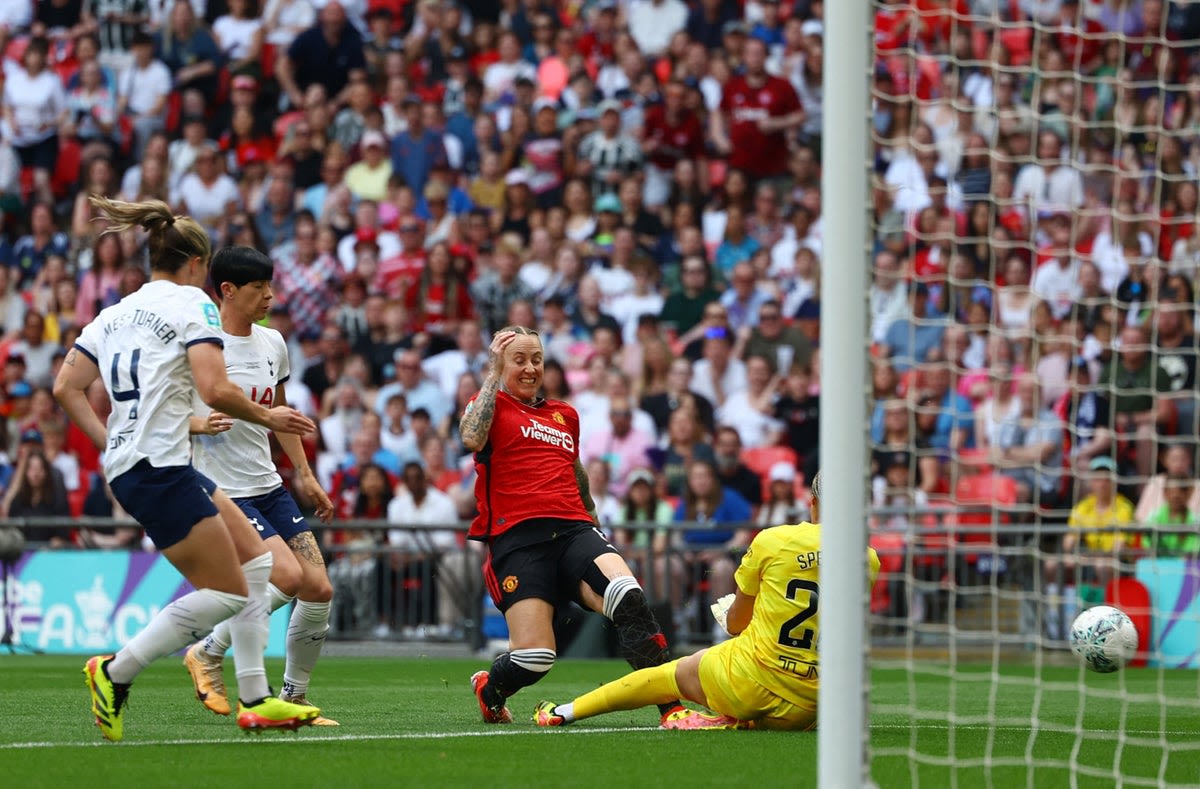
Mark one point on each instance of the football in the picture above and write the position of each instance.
(1103, 638)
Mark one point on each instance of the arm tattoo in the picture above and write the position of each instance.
(477, 422)
(585, 486)
(304, 545)
(71, 356)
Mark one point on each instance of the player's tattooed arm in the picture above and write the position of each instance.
(477, 421)
(585, 490)
(304, 545)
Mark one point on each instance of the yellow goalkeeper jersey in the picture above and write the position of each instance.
(781, 570)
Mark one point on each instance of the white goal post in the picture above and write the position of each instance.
(842, 737)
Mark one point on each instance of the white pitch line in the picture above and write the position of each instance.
(15, 746)
(99, 743)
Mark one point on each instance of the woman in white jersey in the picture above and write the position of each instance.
(236, 455)
(152, 349)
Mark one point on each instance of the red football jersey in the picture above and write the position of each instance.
(756, 153)
(684, 140)
(527, 468)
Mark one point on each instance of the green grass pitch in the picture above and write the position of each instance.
(414, 722)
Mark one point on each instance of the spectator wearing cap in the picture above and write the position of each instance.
(707, 21)
(191, 54)
(19, 405)
(718, 374)
(756, 114)
(1088, 558)
(397, 273)
(607, 154)
(368, 177)
(781, 504)
(330, 54)
(418, 150)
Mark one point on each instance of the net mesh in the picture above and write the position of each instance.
(1034, 425)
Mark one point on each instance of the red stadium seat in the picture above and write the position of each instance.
(760, 459)
(994, 492)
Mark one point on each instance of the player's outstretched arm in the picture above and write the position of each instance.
(221, 394)
(77, 373)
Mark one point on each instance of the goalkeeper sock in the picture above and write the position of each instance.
(655, 685)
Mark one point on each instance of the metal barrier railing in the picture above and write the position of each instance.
(404, 582)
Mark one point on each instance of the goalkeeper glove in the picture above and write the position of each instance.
(720, 611)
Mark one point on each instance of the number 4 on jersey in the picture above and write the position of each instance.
(133, 392)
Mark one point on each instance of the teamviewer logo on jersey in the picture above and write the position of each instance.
(539, 432)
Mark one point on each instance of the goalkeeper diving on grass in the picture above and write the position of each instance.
(764, 678)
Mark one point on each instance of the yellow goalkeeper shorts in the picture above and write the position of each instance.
(737, 686)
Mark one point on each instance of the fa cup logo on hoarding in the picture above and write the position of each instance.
(96, 608)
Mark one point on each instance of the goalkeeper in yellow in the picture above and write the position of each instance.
(766, 677)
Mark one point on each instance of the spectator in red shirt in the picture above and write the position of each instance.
(757, 112)
(670, 135)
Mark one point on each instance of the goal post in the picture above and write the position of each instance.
(842, 737)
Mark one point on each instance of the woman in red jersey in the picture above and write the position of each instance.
(537, 518)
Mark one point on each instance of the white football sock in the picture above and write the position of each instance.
(173, 628)
(305, 637)
(249, 631)
(567, 711)
(219, 640)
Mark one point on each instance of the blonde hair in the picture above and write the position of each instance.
(173, 239)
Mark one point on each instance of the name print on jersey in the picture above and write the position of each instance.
(162, 330)
(539, 432)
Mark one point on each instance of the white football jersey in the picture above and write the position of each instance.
(239, 460)
(140, 345)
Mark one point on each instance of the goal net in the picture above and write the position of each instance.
(1033, 403)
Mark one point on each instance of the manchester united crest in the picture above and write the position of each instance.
(557, 417)
(510, 584)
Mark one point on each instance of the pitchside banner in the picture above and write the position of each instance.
(93, 602)
(1174, 586)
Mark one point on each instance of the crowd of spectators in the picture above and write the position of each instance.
(641, 181)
